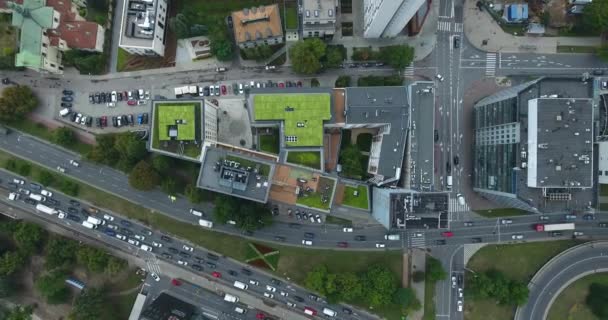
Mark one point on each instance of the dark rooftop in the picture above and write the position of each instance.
(168, 307)
(404, 208)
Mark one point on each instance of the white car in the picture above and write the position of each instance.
(459, 305)
(284, 294)
(232, 222)
(61, 215)
(108, 217)
(453, 281)
(121, 236)
(268, 295)
(270, 67)
(113, 226)
(291, 304)
(114, 96)
(577, 233)
(61, 169)
(83, 120)
(18, 181)
(78, 117)
(543, 217)
(318, 217)
(506, 221)
(347, 229)
(46, 193)
(155, 276)
(517, 236)
(271, 288)
(140, 237)
(254, 282)
(74, 163)
(185, 247)
(307, 242)
(183, 263)
(133, 242)
(380, 245)
(439, 77)
(459, 292)
(156, 244)
(418, 235)
(24, 191)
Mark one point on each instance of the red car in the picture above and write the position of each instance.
(281, 85)
(216, 274)
(447, 234)
(104, 121)
(131, 102)
(299, 83)
(343, 244)
(176, 282)
(310, 311)
(260, 315)
(223, 87)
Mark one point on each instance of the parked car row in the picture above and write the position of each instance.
(362, 65)
(130, 120)
(133, 97)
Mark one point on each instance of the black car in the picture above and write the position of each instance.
(68, 92)
(74, 218)
(125, 223)
(119, 96)
(92, 98)
(165, 238)
(211, 265)
(456, 160)
(295, 225)
(212, 256)
(598, 72)
(476, 240)
(73, 210)
(103, 97)
(436, 135)
(35, 186)
(66, 105)
(206, 91)
(184, 255)
(360, 238)
(347, 310)
(198, 259)
(456, 42)
(74, 203)
(97, 97)
(233, 273)
(602, 225)
(448, 167)
(6, 80)
(114, 122)
(53, 202)
(246, 272)
(556, 234)
(440, 242)
(12, 185)
(279, 238)
(89, 121)
(67, 99)
(229, 20)
(173, 250)
(145, 118)
(298, 298)
(276, 282)
(460, 280)
(131, 122)
(73, 116)
(309, 235)
(30, 201)
(197, 267)
(127, 231)
(166, 256)
(98, 122)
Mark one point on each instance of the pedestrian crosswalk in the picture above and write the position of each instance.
(444, 26)
(490, 64)
(417, 240)
(454, 206)
(409, 71)
(457, 27)
(152, 265)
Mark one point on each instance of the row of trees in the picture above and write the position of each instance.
(248, 215)
(45, 177)
(596, 300)
(376, 287)
(121, 151)
(494, 284)
(16, 102)
(312, 55)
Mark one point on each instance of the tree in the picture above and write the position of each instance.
(594, 19)
(10, 262)
(115, 266)
(162, 164)
(63, 136)
(24, 168)
(418, 276)
(596, 300)
(259, 53)
(28, 236)
(95, 260)
(602, 52)
(143, 176)
(349, 286)
(130, 148)
(225, 208)
(86, 62)
(20, 313)
(406, 298)
(379, 285)
(434, 269)
(315, 279)
(45, 177)
(305, 55)
(7, 286)
(16, 102)
(350, 159)
(89, 305)
(343, 82)
(104, 151)
(518, 293)
(221, 43)
(180, 25)
(194, 194)
(52, 287)
(314, 82)
(333, 57)
(169, 185)
(398, 57)
(60, 253)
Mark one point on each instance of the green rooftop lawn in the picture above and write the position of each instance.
(270, 142)
(310, 159)
(309, 110)
(168, 113)
(291, 17)
(359, 201)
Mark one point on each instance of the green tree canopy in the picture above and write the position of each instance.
(28, 236)
(434, 269)
(398, 57)
(350, 286)
(169, 185)
(89, 305)
(596, 300)
(8, 286)
(306, 55)
(16, 102)
(379, 285)
(115, 266)
(351, 161)
(95, 260)
(20, 313)
(143, 176)
(194, 194)
(60, 253)
(406, 298)
(52, 287)
(162, 164)
(64, 136)
(10, 262)
(595, 17)
(343, 82)
(333, 57)
(45, 177)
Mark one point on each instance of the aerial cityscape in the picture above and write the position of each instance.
(303, 159)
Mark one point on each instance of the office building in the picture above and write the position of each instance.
(144, 27)
(319, 18)
(389, 18)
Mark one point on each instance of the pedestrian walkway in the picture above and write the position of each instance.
(409, 71)
(490, 64)
(152, 265)
(418, 263)
(454, 206)
(417, 242)
(444, 26)
(458, 27)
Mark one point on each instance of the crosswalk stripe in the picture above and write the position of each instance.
(409, 71)
(417, 242)
(491, 64)
(444, 26)
(458, 27)
(454, 206)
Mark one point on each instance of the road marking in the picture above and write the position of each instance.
(444, 26)
(409, 71)
(490, 64)
(458, 27)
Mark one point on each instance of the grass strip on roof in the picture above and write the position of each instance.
(167, 116)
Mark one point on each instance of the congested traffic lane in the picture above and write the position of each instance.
(174, 251)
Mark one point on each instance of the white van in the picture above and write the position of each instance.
(449, 187)
(240, 285)
(460, 199)
(205, 223)
(196, 212)
(96, 221)
(329, 312)
(89, 225)
(240, 310)
(37, 197)
(64, 112)
(392, 237)
(145, 247)
(230, 298)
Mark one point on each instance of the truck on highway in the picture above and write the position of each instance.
(554, 227)
(230, 298)
(393, 236)
(89, 225)
(45, 209)
(13, 196)
(37, 197)
(96, 221)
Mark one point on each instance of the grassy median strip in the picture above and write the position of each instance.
(570, 304)
(501, 212)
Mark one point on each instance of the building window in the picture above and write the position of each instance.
(52, 65)
(56, 20)
(162, 26)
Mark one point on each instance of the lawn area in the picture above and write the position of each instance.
(518, 262)
(40, 131)
(291, 17)
(303, 115)
(8, 42)
(502, 212)
(360, 201)
(310, 159)
(570, 304)
(576, 49)
(313, 200)
(170, 114)
(270, 142)
(122, 59)
(338, 221)
(603, 189)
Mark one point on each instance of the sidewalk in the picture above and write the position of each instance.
(418, 261)
(480, 26)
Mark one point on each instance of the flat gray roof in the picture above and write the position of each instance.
(382, 105)
(139, 23)
(422, 145)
